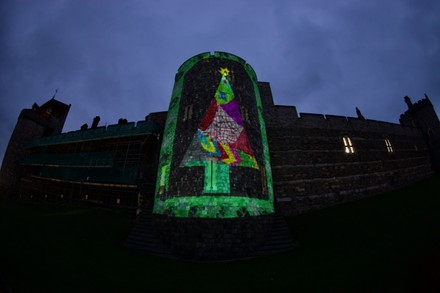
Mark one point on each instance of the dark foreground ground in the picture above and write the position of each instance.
(385, 243)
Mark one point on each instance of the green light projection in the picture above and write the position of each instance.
(223, 140)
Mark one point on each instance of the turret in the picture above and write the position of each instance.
(423, 116)
(38, 121)
(214, 195)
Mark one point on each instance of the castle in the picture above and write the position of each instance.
(222, 136)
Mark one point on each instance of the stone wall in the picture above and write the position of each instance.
(312, 170)
(279, 116)
(32, 123)
(423, 116)
(214, 197)
(159, 118)
(213, 239)
(25, 130)
(310, 166)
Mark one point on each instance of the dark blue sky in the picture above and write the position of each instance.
(118, 58)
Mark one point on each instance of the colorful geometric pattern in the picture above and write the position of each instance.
(212, 206)
(221, 134)
(223, 128)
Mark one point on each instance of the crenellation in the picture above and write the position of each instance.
(309, 160)
(336, 119)
(213, 165)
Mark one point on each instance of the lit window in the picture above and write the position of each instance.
(348, 145)
(388, 144)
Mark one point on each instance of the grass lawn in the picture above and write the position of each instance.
(385, 243)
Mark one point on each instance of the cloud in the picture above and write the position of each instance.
(118, 58)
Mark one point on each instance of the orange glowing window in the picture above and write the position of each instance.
(348, 145)
(388, 145)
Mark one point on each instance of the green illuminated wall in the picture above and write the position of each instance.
(214, 159)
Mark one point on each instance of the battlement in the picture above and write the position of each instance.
(310, 160)
(425, 102)
(421, 110)
(32, 115)
(110, 131)
(326, 121)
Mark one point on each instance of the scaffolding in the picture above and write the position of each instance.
(111, 131)
(112, 166)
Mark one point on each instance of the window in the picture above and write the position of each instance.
(48, 112)
(244, 114)
(188, 112)
(389, 146)
(163, 174)
(348, 145)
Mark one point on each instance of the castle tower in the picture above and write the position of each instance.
(214, 194)
(39, 121)
(423, 116)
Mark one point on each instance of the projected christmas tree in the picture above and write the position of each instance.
(221, 140)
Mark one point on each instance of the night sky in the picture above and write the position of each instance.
(117, 59)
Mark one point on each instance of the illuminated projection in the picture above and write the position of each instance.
(220, 141)
(213, 163)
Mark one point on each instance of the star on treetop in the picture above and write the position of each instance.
(224, 71)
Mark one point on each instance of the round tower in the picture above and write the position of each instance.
(214, 194)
